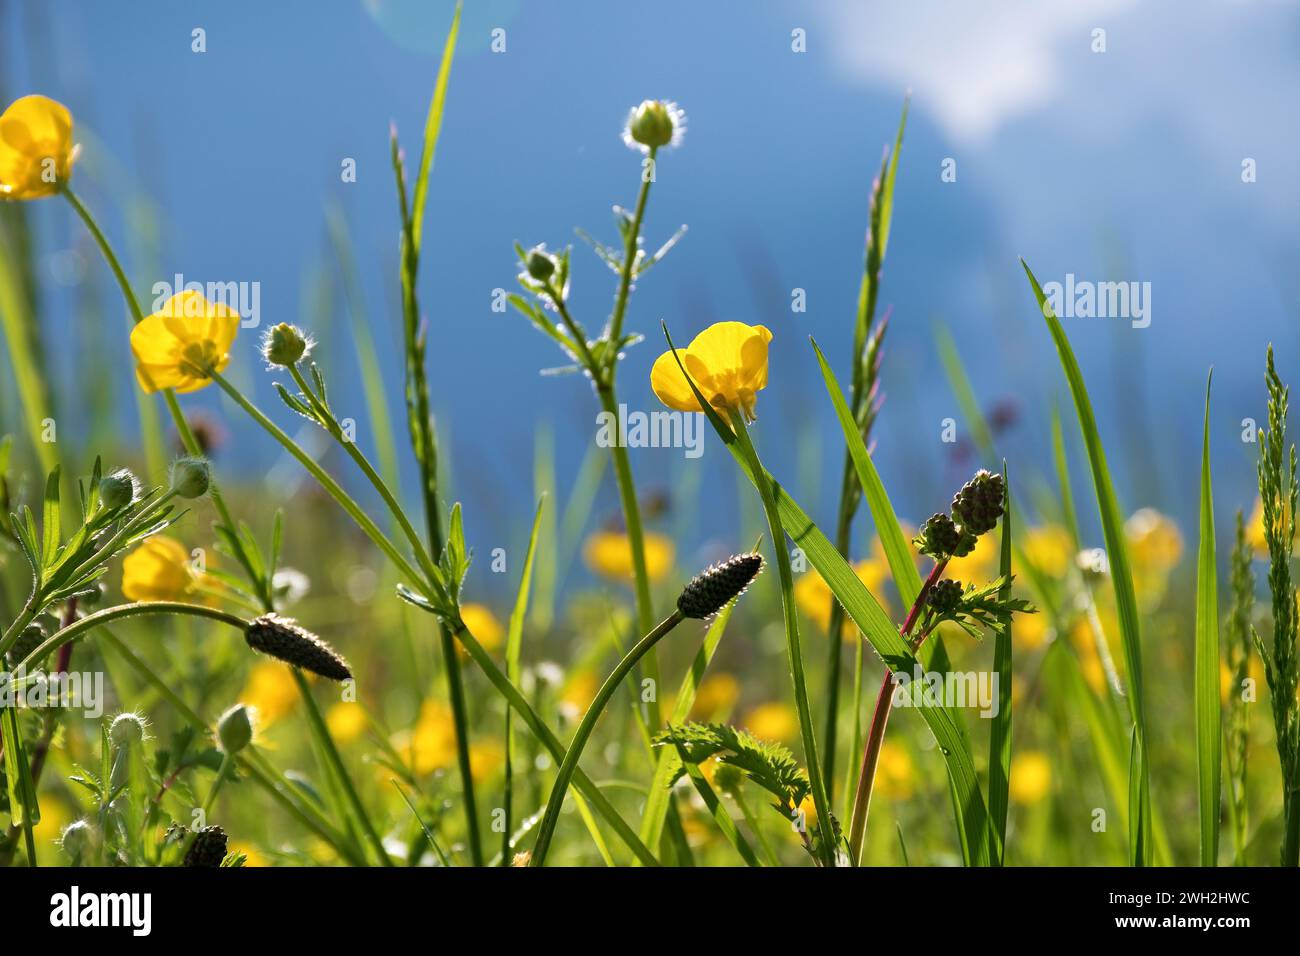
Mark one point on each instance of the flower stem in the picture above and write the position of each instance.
(879, 720)
(323, 477)
(580, 737)
(629, 257)
(794, 649)
(336, 765)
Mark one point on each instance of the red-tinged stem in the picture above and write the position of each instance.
(879, 720)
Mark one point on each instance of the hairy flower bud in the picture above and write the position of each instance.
(77, 837)
(654, 123)
(234, 729)
(32, 637)
(117, 489)
(127, 730)
(978, 505)
(712, 590)
(190, 477)
(540, 263)
(285, 345)
(208, 848)
(285, 639)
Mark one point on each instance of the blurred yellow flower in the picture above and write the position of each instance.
(177, 346)
(894, 771)
(981, 565)
(609, 554)
(54, 817)
(1049, 549)
(431, 744)
(1255, 530)
(728, 363)
(1030, 631)
(486, 757)
(346, 721)
(1153, 539)
(773, 721)
(271, 691)
(1031, 777)
(579, 692)
(1090, 663)
(36, 149)
(809, 810)
(158, 569)
(716, 695)
(483, 624)
(253, 856)
(814, 598)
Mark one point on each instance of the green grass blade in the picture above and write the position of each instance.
(28, 374)
(892, 539)
(1112, 523)
(432, 127)
(656, 806)
(1059, 461)
(960, 384)
(1208, 734)
(1000, 731)
(514, 644)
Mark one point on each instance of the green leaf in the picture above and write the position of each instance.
(1208, 735)
(717, 811)
(1112, 523)
(23, 808)
(892, 538)
(1000, 731)
(432, 127)
(50, 520)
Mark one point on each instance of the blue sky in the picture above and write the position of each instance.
(1123, 164)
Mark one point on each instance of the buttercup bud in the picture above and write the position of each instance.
(285, 345)
(712, 590)
(285, 639)
(208, 848)
(540, 263)
(117, 489)
(234, 729)
(653, 124)
(32, 637)
(126, 730)
(190, 477)
(77, 837)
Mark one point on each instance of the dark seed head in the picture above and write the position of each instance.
(283, 638)
(208, 848)
(712, 590)
(978, 505)
(939, 536)
(945, 596)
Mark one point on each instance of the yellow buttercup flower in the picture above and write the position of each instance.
(716, 695)
(579, 692)
(981, 565)
(773, 721)
(158, 570)
(1031, 777)
(609, 554)
(483, 624)
(36, 149)
(346, 721)
(1030, 631)
(271, 691)
(431, 744)
(1049, 549)
(486, 757)
(728, 363)
(177, 346)
(814, 598)
(1255, 530)
(894, 771)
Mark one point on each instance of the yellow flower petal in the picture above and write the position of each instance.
(158, 570)
(727, 361)
(609, 554)
(36, 149)
(175, 346)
